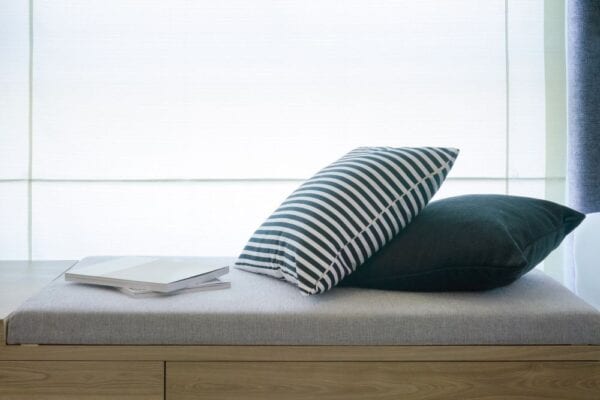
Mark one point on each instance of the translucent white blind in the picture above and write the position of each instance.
(526, 84)
(14, 89)
(176, 127)
(13, 221)
(265, 88)
(14, 138)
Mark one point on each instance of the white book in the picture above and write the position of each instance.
(157, 274)
(215, 284)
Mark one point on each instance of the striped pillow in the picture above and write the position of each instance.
(341, 216)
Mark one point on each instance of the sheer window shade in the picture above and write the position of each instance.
(14, 129)
(176, 127)
(172, 89)
(14, 89)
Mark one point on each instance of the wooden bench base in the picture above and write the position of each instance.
(37, 380)
(298, 372)
(382, 380)
(32, 380)
(36, 372)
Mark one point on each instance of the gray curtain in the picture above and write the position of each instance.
(583, 144)
(583, 77)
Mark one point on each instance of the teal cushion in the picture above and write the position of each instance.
(473, 242)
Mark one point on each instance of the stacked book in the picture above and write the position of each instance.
(153, 276)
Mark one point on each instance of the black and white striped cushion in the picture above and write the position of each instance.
(341, 216)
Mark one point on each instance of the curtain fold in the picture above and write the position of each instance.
(583, 144)
(583, 74)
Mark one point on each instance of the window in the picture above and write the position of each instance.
(153, 127)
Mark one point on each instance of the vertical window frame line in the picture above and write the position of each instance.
(555, 97)
(30, 140)
(559, 263)
(507, 100)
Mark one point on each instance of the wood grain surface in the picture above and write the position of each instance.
(383, 380)
(301, 353)
(70, 380)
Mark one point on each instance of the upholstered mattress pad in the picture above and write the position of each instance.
(259, 310)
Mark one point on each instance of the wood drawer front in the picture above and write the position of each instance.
(64, 380)
(382, 380)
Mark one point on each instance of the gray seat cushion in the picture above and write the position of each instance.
(259, 310)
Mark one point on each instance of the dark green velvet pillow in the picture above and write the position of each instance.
(473, 242)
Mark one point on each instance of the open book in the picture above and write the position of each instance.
(150, 274)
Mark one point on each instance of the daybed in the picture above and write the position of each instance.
(262, 339)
